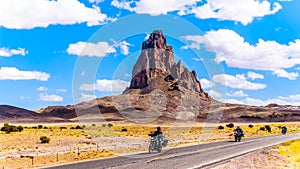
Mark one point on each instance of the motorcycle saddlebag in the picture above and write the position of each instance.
(165, 143)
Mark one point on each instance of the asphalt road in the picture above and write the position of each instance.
(197, 156)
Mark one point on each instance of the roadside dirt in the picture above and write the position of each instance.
(267, 158)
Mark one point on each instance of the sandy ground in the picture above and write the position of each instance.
(267, 158)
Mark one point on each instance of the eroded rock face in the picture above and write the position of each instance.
(157, 61)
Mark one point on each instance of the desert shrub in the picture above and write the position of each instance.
(230, 125)
(83, 126)
(40, 126)
(72, 128)
(103, 125)
(62, 127)
(123, 130)
(220, 127)
(34, 127)
(94, 125)
(250, 126)
(268, 128)
(262, 128)
(109, 125)
(10, 128)
(45, 127)
(78, 127)
(20, 128)
(44, 139)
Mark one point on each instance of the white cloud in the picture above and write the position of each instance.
(100, 49)
(96, 1)
(124, 47)
(50, 98)
(235, 10)
(198, 59)
(293, 99)
(12, 73)
(253, 75)
(9, 52)
(285, 74)
(41, 88)
(239, 93)
(105, 85)
(154, 7)
(215, 94)
(20, 14)
(86, 97)
(238, 81)
(206, 83)
(232, 49)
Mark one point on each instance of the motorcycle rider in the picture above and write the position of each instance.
(239, 130)
(157, 132)
(283, 129)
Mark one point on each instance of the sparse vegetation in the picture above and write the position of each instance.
(230, 125)
(40, 126)
(220, 127)
(262, 128)
(123, 130)
(109, 125)
(268, 128)
(250, 126)
(11, 128)
(44, 139)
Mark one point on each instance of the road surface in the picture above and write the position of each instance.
(198, 156)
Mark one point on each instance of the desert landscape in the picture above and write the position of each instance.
(161, 93)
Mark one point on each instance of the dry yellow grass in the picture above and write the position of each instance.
(291, 149)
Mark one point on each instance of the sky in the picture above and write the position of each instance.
(62, 52)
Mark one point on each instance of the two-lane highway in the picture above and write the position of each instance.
(196, 156)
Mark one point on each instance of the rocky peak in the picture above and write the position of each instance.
(156, 61)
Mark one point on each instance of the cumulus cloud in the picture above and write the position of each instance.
(215, 94)
(293, 99)
(232, 49)
(285, 74)
(20, 14)
(42, 88)
(50, 98)
(206, 83)
(12, 73)
(100, 49)
(238, 81)
(238, 11)
(124, 46)
(253, 75)
(86, 97)
(95, 1)
(6, 52)
(104, 85)
(239, 93)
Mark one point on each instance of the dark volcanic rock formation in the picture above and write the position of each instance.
(157, 61)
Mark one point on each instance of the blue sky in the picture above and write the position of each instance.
(66, 51)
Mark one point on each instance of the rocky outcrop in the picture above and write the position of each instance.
(157, 61)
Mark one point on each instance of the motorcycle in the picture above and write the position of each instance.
(156, 143)
(283, 130)
(238, 136)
